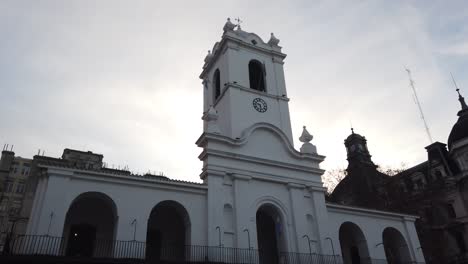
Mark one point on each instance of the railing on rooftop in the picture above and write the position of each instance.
(57, 246)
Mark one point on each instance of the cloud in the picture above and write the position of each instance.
(121, 78)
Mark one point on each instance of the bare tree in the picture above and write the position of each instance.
(392, 171)
(332, 177)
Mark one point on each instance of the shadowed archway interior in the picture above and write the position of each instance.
(90, 223)
(168, 232)
(353, 244)
(396, 249)
(270, 234)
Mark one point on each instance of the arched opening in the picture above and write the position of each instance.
(396, 249)
(271, 235)
(353, 244)
(90, 223)
(257, 75)
(217, 84)
(168, 232)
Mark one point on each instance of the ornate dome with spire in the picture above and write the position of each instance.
(460, 129)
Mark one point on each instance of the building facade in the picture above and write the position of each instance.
(258, 193)
(14, 173)
(436, 190)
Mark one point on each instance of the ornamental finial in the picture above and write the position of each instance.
(305, 138)
(273, 40)
(229, 26)
(211, 118)
(208, 56)
(461, 99)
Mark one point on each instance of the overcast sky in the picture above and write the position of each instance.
(120, 78)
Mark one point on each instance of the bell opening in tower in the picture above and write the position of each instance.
(257, 75)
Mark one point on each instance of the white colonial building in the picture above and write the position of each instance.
(258, 191)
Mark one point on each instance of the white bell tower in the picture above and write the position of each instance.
(249, 161)
(243, 80)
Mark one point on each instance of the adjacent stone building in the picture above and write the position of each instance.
(436, 190)
(14, 174)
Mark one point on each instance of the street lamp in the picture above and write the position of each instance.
(219, 235)
(331, 243)
(134, 224)
(308, 241)
(248, 236)
(333, 249)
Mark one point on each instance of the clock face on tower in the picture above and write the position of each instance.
(260, 105)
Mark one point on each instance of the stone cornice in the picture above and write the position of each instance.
(267, 162)
(227, 42)
(370, 212)
(248, 175)
(127, 180)
(230, 85)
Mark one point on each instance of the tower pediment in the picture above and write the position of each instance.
(261, 143)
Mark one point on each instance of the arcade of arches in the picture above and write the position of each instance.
(354, 246)
(92, 219)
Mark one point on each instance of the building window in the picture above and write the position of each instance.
(3, 205)
(217, 84)
(419, 184)
(20, 188)
(9, 187)
(460, 242)
(451, 211)
(257, 75)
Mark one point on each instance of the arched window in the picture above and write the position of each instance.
(217, 84)
(257, 75)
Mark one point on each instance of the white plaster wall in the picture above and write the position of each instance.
(133, 200)
(372, 224)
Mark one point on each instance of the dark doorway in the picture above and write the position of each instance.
(153, 242)
(81, 240)
(353, 244)
(396, 249)
(89, 226)
(271, 235)
(168, 227)
(267, 244)
(355, 258)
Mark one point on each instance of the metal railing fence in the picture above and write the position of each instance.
(57, 246)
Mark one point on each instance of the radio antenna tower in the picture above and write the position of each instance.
(416, 101)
